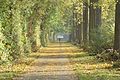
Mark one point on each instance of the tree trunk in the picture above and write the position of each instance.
(117, 27)
(94, 19)
(85, 22)
(91, 18)
(74, 24)
(80, 33)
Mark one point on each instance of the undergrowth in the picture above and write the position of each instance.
(90, 68)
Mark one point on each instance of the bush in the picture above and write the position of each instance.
(101, 39)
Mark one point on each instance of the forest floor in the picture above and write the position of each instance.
(91, 68)
(62, 62)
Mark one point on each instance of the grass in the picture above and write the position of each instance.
(7, 75)
(9, 71)
(89, 68)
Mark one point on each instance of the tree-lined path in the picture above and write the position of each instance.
(28, 26)
(51, 63)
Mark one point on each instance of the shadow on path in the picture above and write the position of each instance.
(52, 63)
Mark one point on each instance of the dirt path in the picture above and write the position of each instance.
(52, 63)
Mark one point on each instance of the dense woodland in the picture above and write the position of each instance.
(25, 26)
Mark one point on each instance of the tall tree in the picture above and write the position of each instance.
(74, 24)
(85, 22)
(94, 18)
(117, 27)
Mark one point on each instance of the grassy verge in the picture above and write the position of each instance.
(89, 68)
(9, 71)
(7, 75)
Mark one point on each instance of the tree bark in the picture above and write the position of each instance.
(94, 18)
(74, 25)
(117, 27)
(85, 23)
(80, 38)
(91, 18)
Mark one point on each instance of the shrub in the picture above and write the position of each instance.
(101, 39)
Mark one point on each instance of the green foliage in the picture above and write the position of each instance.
(7, 75)
(26, 24)
(20, 23)
(13, 29)
(102, 38)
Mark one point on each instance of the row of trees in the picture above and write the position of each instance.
(94, 22)
(21, 24)
(18, 36)
(25, 25)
